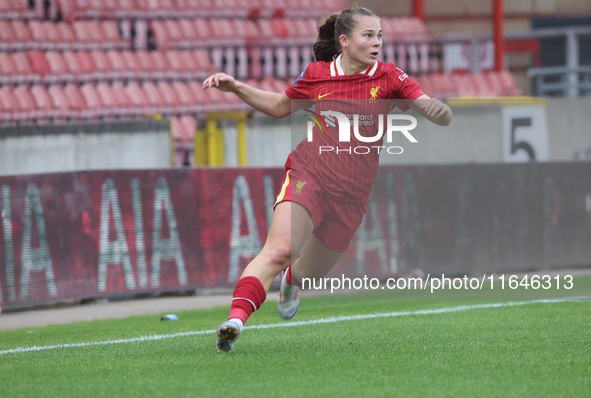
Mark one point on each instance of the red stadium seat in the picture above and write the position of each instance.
(202, 58)
(45, 34)
(173, 32)
(281, 85)
(137, 99)
(88, 35)
(28, 107)
(483, 87)
(158, 8)
(43, 102)
(22, 39)
(280, 28)
(509, 83)
(74, 9)
(111, 36)
(192, 66)
(87, 9)
(58, 70)
(127, 9)
(124, 102)
(88, 69)
(211, 99)
(60, 102)
(188, 8)
(186, 99)
(229, 9)
(265, 28)
(202, 31)
(73, 67)
(154, 99)
(9, 107)
(94, 106)
(425, 84)
(328, 6)
(205, 8)
(67, 9)
(217, 100)
(178, 135)
(199, 95)
(442, 84)
(103, 66)
(147, 68)
(136, 69)
(464, 85)
(266, 84)
(38, 62)
(7, 69)
(17, 9)
(6, 36)
(160, 35)
(222, 30)
(189, 127)
(119, 69)
(111, 101)
(161, 65)
(67, 37)
(189, 38)
(177, 66)
(22, 68)
(77, 103)
(109, 8)
(169, 97)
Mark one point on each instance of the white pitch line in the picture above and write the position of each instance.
(335, 319)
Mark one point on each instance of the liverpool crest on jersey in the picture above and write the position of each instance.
(374, 94)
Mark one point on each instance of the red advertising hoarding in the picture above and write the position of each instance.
(71, 236)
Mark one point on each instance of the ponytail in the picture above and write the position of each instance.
(327, 46)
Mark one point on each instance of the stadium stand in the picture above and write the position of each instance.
(70, 60)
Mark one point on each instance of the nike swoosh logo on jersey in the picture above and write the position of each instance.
(323, 95)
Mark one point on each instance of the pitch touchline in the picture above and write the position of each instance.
(335, 319)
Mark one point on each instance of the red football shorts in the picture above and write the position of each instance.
(335, 223)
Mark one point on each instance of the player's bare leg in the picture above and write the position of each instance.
(290, 227)
(315, 262)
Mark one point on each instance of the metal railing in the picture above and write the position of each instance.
(569, 80)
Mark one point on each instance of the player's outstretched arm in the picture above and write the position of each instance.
(272, 104)
(433, 109)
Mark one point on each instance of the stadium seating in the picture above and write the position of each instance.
(23, 72)
(19, 9)
(61, 103)
(8, 105)
(85, 60)
(6, 69)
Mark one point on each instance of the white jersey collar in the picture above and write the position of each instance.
(336, 69)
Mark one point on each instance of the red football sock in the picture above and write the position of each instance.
(248, 296)
(292, 280)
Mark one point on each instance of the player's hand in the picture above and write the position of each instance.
(434, 108)
(220, 81)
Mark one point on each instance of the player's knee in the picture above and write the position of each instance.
(280, 255)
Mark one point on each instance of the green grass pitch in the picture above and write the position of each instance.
(430, 349)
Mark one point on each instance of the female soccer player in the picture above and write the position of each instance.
(323, 198)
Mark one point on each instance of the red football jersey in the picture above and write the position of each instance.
(345, 175)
